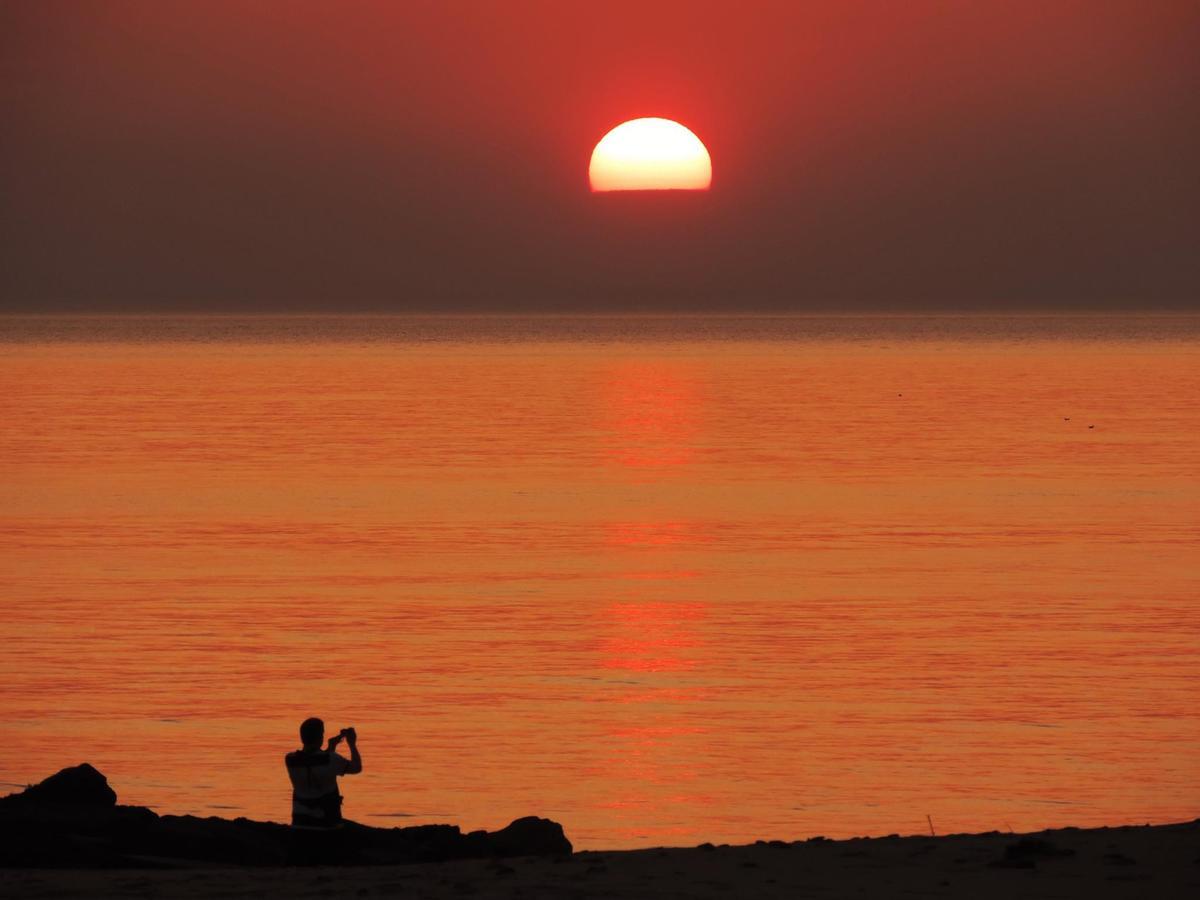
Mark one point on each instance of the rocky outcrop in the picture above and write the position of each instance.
(72, 820)
(81, 785)
(529, 836)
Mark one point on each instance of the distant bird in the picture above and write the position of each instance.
(1091, 426)
(1066, 418)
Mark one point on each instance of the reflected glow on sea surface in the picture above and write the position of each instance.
(662, 580)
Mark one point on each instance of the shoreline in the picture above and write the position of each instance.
(68, 837)
(1122, 861)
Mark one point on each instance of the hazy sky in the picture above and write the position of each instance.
(261, 156)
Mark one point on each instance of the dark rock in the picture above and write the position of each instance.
(80, 785)
(71, 820)
(1035, 848)
(1025, 853)
(241, 842)
(530, 836)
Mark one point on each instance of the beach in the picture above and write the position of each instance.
(1133, 861)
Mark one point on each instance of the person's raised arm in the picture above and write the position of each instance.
(355, 759)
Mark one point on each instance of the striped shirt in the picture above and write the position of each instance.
(316, 802)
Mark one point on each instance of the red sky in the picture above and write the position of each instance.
(433, 155)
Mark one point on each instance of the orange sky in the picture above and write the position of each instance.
(425, 155)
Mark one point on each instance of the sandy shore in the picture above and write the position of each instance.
(1136, 861)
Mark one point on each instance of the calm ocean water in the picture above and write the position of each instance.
(665, 580)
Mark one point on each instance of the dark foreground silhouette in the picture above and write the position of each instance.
(314, 773)
(87, 846)
(72, 820)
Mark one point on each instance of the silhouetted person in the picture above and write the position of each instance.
(316, 800)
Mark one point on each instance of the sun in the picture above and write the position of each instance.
(650, 155)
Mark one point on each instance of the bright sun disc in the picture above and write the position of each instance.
(650, 155)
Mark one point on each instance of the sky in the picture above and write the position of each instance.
(360, 155)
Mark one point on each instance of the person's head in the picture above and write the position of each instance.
(312, 733)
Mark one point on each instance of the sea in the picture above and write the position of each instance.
(663, 579)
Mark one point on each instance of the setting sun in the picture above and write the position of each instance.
(650, 155)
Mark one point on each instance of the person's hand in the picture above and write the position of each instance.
(334, 741)
(350, 734)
